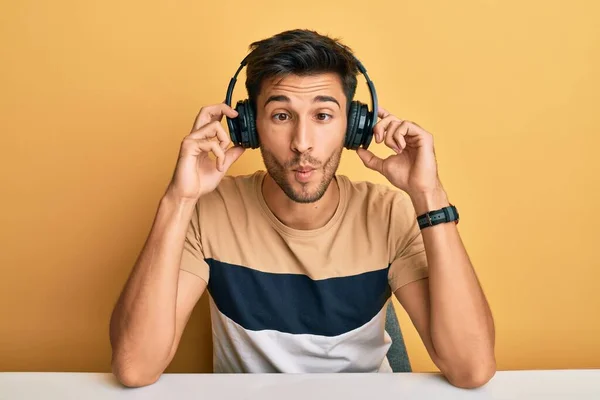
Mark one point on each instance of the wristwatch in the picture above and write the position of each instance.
(431, 218)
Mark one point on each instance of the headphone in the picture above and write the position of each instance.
(359, 132)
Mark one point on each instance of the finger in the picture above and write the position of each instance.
(211, 130)
(212, 146)
(232, 155)
(382, 126)
(400, 134)
(382, 112)
(370, 160)
(414, 135)
(212, 113)
(400, 142)
(390, 133)
(414, 129)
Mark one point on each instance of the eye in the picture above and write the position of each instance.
(323, 117)
(281, 117)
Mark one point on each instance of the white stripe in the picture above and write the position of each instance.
(236, 349)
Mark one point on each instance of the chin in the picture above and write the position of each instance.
(305, 197)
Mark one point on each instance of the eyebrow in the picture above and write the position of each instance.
(285, 99)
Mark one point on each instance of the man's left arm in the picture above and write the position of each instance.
(449, 308)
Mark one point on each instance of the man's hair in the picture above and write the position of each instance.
(299, 52)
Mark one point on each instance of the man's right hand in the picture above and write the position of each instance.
(196, 174)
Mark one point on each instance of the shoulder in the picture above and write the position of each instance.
(232, 191)
(375, 198)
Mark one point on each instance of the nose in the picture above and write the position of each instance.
(302, 140)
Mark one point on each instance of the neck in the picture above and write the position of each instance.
(298, 215)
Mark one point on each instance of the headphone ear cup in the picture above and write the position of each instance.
(252, 132)
(244, 132)
(351, 128)
(359, 126)
(241, 134)
(234, 127)
(363, 134)
(367, 131)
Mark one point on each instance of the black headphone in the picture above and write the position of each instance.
(361, 121)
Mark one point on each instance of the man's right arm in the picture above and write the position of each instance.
(158, 298)
(156, 303)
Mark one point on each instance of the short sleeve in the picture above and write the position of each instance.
(192, 258)
(409, 262)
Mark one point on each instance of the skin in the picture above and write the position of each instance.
(301, 122)
(301, 129)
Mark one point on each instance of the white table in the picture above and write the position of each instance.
(530, 385)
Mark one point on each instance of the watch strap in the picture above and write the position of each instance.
(443, 215)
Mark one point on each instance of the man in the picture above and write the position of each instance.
(299, 261)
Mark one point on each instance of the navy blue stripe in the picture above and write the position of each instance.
(295, 303)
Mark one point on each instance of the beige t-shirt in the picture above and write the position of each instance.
(287, 300)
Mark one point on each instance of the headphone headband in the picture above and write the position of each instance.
(374, 105)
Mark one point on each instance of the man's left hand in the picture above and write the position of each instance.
(413, 168)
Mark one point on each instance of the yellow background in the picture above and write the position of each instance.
(96, 97)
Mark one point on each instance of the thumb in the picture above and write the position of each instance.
(370, 160)
(231, 156)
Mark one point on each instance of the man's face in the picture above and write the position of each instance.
(301, 122)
